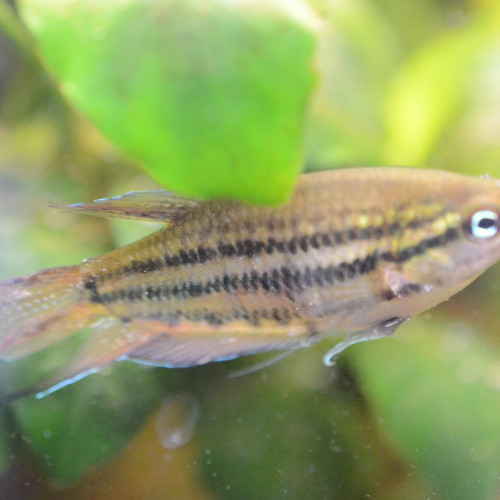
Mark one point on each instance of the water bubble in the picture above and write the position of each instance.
(177, 420)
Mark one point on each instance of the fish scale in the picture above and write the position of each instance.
(354, 250)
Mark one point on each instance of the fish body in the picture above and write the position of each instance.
(352, 250)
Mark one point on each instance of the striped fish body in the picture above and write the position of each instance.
(352, 249)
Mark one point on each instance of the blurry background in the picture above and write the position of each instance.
(417, 416)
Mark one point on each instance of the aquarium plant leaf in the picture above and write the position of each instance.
(210, 97)
(289, 432)
(88, 423)
(435, 388)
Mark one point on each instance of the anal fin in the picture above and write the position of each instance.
(192, 343)
(157, 344)
(176, 353)
(111, 340)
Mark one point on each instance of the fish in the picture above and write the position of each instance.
(355, 251)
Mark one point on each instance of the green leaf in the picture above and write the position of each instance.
(210, 97)
(291, 432)
(87, 423)
(436, 388)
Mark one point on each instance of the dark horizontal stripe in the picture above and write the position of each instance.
(408, 253)
(253, 248)
(254, 316)
(276, 280)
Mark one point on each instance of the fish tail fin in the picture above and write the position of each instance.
(41, 309)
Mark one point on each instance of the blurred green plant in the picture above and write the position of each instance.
(445, 380)
(203, 94)
(219, 99)
(90, 422)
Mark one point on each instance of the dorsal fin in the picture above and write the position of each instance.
(156, 206)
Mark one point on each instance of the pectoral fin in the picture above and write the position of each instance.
(385, 329)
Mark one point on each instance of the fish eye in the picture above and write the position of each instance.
(482, 224)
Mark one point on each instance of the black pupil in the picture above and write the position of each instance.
(486, 223)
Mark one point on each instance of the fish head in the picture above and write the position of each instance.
(470, 239)
(479, 243)
(444, 252)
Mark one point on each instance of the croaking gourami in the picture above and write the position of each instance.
(354, 251)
